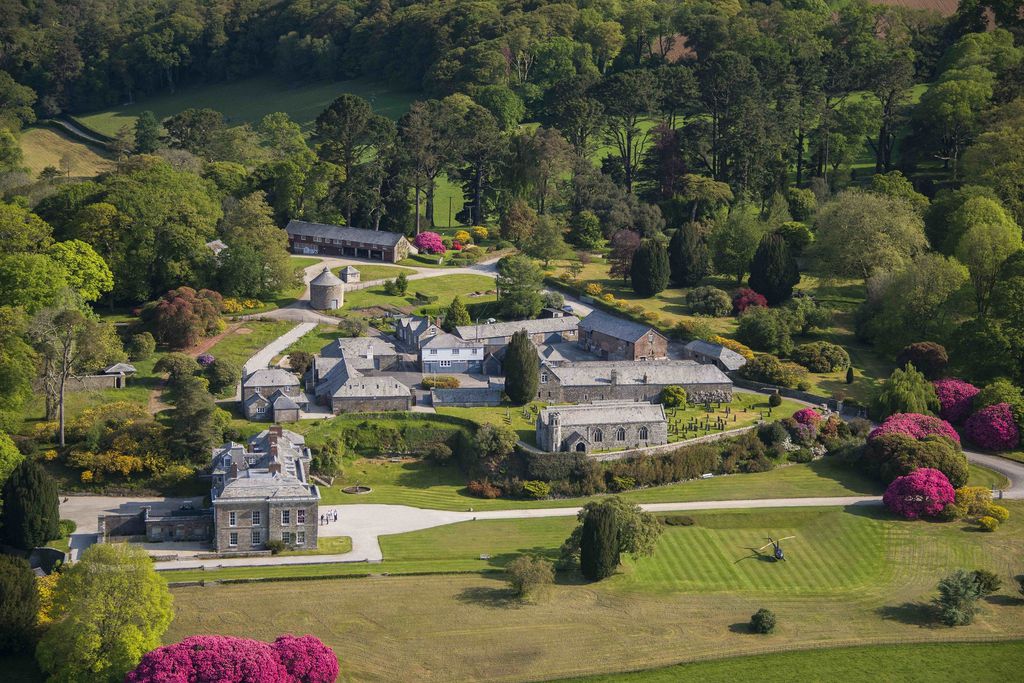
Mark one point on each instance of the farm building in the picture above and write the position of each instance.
(336, 240)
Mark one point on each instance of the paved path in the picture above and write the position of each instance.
(261, 359)
(1011, 469)
(365, 524)
(300, 311)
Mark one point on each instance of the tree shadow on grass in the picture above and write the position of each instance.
(1004, 600)
(914, 613)
(740, 627)
(542, 552)
(493, 597)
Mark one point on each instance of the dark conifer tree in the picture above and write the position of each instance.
(19, 604)
(688, 256)
(773, 271)
(522, 369)
(30, 512)
(650, 270)
(599, 543)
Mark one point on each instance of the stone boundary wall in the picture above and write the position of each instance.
(783, 391)
(652, 450)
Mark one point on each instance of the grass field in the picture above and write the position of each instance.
(423, 485)
(368, 272)
(44, 147)
(249, 100)
(852, 577)
(325, 545)
(445, 288)
(917, 663)
(238, 346)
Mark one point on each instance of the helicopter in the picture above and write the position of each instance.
(777, 545)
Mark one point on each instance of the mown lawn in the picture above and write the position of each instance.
(445, 288)
(369, 272)
(423, 485)
(852, 577)
(315, 340)
(250, 99)
(982, 662)
(251, 336)
(325, 545)
(522, 419)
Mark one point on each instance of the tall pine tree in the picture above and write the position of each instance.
(650, 270)
(455, 316)
(599, 543)
(688, 256)
(31, 509)
(522, 369)
(773, 271)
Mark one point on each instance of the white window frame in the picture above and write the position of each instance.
(300, 516)
(444, 363)
(300, 538)
(256, 537)
(455, 352)
(233, 539)
(433, 352)
(286, 517)
(598, 436)
(620, 434)
(256, 518)
(232, 518)
(286, 538)
(543, 378)
(643, 434)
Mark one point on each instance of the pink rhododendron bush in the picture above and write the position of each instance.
(922, 493)
(224, 659)
(807, 416)
(429, 242)
(955, 398)
(993, 428)
(745, 298)
(916, 426)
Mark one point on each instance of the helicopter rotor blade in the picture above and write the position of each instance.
(763, 547)
(786, 538)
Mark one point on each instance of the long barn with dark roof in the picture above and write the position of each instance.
(338, 240)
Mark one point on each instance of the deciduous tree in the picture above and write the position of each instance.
(110, 608)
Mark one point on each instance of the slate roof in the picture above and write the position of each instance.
(282, 401)
(343, 380)
(350, 270)
(326, 278)
(658, 373)
(507, 329)
(271, 377)
(729, 358)
(564, 352)
(443, 340)
(117, 368)
(358, 346)
(255, 480)
(616, 327)
(605, 412)
(380, 238)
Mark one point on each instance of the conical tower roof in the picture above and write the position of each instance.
(326, 278)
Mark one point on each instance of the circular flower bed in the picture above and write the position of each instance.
(993, 428)
(955, 398)
(916, 426)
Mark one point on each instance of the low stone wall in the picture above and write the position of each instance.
(783, 391)
(89, 383)
(669, 447)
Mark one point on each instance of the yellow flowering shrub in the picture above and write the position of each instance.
(462, 237)
(45, 586)
(480, 233)
(734, 345)
(593, 289)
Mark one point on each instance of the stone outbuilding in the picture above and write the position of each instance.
(326, 291)
(350, 274)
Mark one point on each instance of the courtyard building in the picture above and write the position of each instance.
(613, 338)
(498, 335)
(261, 493)
(263, 387)
(601, 426)
(445, 353)
(627, 380)
(337, 240)
(724, 358)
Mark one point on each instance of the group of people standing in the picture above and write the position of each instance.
(328, 517)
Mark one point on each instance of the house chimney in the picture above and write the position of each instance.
(234, 471)
(273, 450)
(276, 430)
(615, 377)
(275, 468)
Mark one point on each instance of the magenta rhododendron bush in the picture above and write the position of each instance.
(429, 242)
(922, 493)
(916, 426)
(807, 416)
(993, 428)
(955, 398)
(225, 659)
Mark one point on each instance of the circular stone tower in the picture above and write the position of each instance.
(326, 291)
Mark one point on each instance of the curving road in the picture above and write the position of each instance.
(1011, 469)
